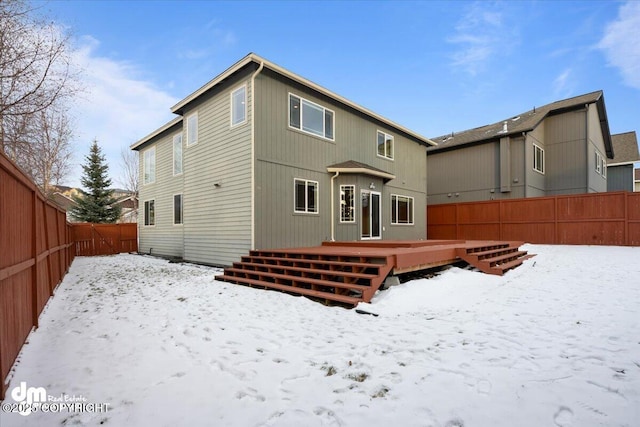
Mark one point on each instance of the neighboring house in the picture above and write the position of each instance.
(262, 158)
(637, 180)
(558, 148)
(65, 202)
(620, 169)
(128, 207)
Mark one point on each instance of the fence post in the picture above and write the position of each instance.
(34, 253)
(626, 220)
(47, 243)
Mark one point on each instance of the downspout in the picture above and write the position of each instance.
(525, 166)
(253, 155)
(333, 217)
(587, 148)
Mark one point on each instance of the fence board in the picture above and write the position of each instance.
(36, 251)
(584, 219)
(104, 239)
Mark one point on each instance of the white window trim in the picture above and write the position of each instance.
(333, 122)
(380, 226)
(604, 168)
(174, 154)
(393, 144)
(535, 146)
(306, 194)
(152, 152)
(244, 121)
(353, 188)
(188, 118)
(144, 213)
(413, 208)
(173, 209)
(598, 162)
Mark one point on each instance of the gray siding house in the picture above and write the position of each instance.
(620, 169)
(559, 148)
(262, 158)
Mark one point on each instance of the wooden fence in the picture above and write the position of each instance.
(586, 219)
(36, 251)
(104, 239)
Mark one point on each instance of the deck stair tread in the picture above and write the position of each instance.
(297, 279)
(494, 258)
(282, 268)
(251, 258)
(345, 299)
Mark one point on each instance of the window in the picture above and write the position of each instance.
(604, 168)
(401, 210)
(306, 196)
(177, 209)
(310, 117)
(150, 212)
(347, 203)
(192, 129)
(598, 163)
(385, 145)
(538, 159)
(239, 106)
(177, 154)
(149, 167)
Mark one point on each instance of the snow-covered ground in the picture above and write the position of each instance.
(554, 342)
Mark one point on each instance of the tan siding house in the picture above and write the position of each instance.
(620, 169)
(559, 148)
(272, 160)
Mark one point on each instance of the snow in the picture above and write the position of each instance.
(552, 343)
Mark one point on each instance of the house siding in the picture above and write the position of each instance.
(620, 178)
(164, 238)
(217, 219)
(596, 181)
(566, 153)
(283, 153)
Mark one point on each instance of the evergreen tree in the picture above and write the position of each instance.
(97, 203)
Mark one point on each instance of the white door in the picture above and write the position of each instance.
(370, 218)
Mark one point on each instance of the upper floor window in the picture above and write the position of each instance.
(177, 154)
(385, 145)
(305, 196)
(192, 129)
(149, 165)
(598, 163)
(310, 117)
(347, 203)
(538, 159)
(401, 209)
(239, 106)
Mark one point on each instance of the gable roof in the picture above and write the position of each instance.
(526, 122)
(138, 144)
(259, 61)
(351, 166)
(625, 147)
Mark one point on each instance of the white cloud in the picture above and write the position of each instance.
(480, 35)
(560, 84)
(620, 43)
(117, 107)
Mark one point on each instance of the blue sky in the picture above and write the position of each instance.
(434, 67)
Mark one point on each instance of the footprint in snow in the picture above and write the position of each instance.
(563, 417)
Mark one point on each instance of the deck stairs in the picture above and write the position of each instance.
(494, 257)
(329, 278)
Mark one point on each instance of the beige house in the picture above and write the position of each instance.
(260, 158)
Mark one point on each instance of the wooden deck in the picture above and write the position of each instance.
(351, 272)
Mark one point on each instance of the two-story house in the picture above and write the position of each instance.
(260, 158)
(559, 148)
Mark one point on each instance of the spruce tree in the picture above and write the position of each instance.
(97, 203)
